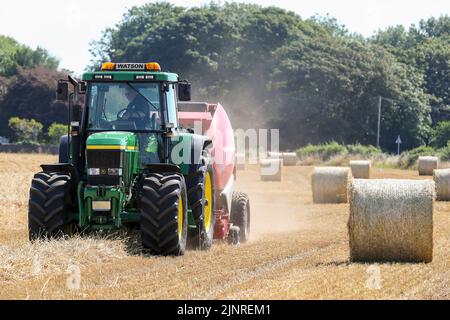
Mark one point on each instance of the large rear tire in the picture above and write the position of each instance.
(164, 216)
(48, 205)
(240, 215)
(201, 202)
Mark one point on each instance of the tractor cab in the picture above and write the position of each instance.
(137, 98)
(132, 97)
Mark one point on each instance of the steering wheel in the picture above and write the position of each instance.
(127, 114)
(121, 113)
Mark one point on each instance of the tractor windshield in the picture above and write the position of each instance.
(124, 106)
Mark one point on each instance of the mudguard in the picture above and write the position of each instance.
(64, 167)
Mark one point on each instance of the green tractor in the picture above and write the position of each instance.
(126, 161)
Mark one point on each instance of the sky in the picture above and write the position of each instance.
(65, 28)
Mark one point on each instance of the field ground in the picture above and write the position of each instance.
(298, 251)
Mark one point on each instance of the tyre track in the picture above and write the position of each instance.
(261, 270)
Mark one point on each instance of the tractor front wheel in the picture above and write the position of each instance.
(48, 205)
(164, 215)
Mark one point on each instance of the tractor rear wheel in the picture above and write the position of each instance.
(240, 215)
(201, 202)
(48, 205)
(164, 215)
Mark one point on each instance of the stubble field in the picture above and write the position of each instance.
(298, 250)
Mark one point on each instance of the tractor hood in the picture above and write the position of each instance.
(112, 140)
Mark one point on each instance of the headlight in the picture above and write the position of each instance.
(115, 172)
(93, 171)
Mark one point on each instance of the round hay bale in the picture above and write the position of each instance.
(329, 184)
(427, 165)
(360, 169)
(240, 161)
(391, 220)
(441, 179)
(289, 159)
(270, 169)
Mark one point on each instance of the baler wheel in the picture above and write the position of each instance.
(234, 236)
(201, 201)
(164, 216)
(48, 203)
(240, 215)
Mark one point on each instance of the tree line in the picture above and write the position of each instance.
(28, 111)
(15, 56)
(311, 78)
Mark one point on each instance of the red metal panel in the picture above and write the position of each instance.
(216, 125)
(188, 119)
(222, 224)
(223, 151)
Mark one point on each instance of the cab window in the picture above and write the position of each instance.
(124, 106)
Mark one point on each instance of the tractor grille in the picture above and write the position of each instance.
(104, 159)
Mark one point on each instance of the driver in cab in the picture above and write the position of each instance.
(137, 109)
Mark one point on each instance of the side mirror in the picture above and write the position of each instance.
(184, 91)
(62, 91)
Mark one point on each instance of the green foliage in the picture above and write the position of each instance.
(444, 153)
(323, 151)
(55, 131)
(14, 56)
(331, 25)
(328, 150)
(3, 86)
(31, 95)
(27, 87)
(441, 135)
(272, 69)
(25, 131)
(359, 149)
(331, 92)
(426, 48)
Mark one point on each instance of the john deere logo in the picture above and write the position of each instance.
(103, 171)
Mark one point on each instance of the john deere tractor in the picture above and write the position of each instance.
(126, 161)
